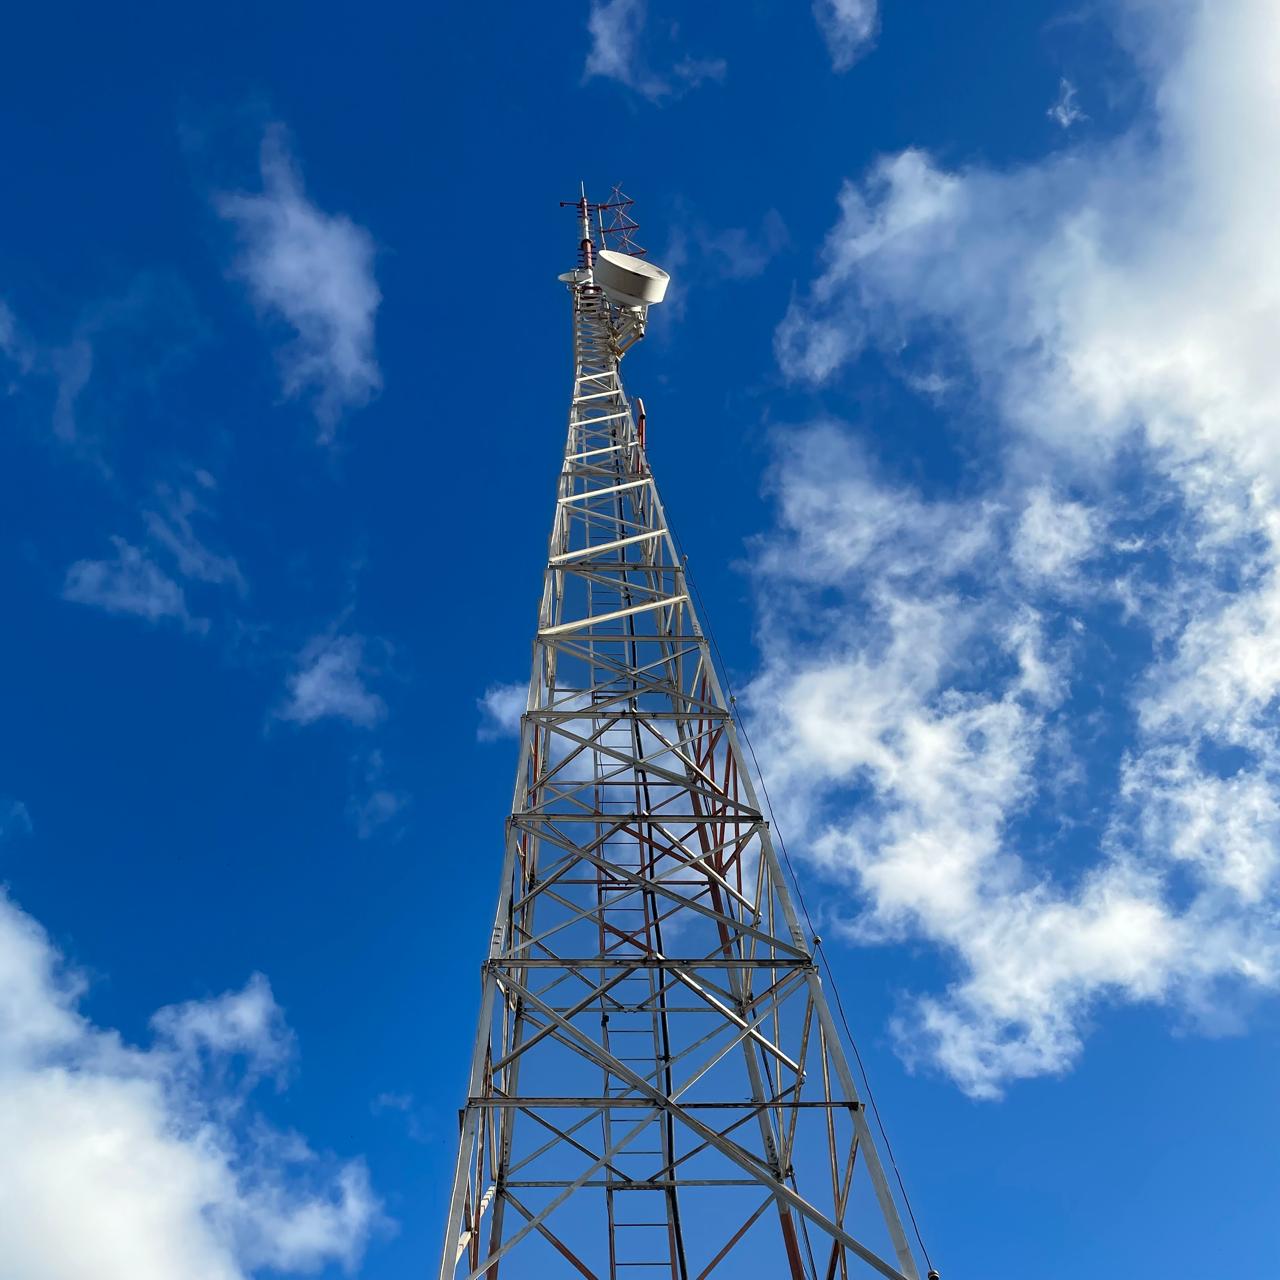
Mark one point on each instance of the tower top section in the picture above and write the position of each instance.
(608, 221)
(610, 262)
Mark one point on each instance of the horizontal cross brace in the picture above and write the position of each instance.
(745, 818)
(606, 711)
(579, 624)
(649, 962)
(592, 453)
(639, 1103)
(611, 546)
(647, 1185)
(600, 493)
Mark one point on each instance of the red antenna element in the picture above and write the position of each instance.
(621, 223)
(617, 232)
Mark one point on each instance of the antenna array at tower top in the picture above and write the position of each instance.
(614, 224)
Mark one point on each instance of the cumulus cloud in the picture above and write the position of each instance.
(329, 682)
(247, 1023)
(926, 706)
(127, 1162)
(131, 583)
(849, 27)
(1053, 536)
(617, 29)
(501, 706)
(313, 271)
(1051, 748)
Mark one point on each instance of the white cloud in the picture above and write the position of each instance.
(1222, 675)
(314, 271)
(617, 28)
(247, 1023)
(1228, 828)
(1086, 290)
(849, 27)
(501, 706)
(329, 681)
(1053, 537)
(1117, 308)
(136, 583)
(914, 708)
(171, 528)
(132, 583)
(1066, 110)
(145, 1163)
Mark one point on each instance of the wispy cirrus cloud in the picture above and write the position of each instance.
(123, 345)
(1036, 726)
(1066, 110)
(72, 366)
(129, 583)
(849, 27)
(419, 1121)
(147, 581)
(169, 521)
(618, 32)
(697, 254)
(144, 1162)
(314, 272)
(374, 805)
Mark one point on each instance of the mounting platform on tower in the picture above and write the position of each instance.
(657, 1087)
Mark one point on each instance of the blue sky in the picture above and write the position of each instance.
(966, 407)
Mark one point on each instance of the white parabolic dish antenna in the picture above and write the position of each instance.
(630, 281)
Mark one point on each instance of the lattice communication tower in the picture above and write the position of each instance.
(658, 1089)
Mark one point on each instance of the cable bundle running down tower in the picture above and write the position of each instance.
(658, 1088)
